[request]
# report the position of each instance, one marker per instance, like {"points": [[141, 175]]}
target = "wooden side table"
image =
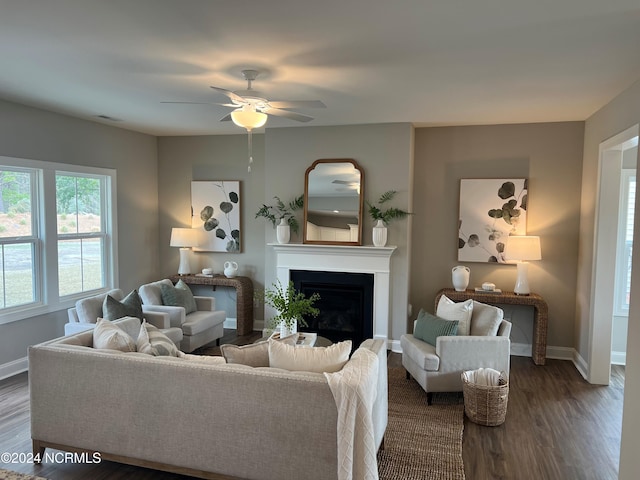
{"points": [[540, 318], [244, 295]]}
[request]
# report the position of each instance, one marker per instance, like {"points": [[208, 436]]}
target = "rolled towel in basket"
{"points": [[483, 376]]}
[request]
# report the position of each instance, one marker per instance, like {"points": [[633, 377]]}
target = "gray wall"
{"points": [[550, 156], [621, 113], [39, 135]]}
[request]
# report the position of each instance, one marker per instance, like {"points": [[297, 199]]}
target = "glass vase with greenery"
{"points": [[292, 305]]}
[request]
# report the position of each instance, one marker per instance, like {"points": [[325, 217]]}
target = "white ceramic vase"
{"points": [[290, 329], [283, 231], [380, 234], [460, 277]]}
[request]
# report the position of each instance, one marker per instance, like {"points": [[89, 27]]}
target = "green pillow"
{"points": [[178, 296], [130, 306], [429, 327]]}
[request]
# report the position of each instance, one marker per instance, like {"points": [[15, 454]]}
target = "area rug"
{"points": [[421, 442], [9, 475]]}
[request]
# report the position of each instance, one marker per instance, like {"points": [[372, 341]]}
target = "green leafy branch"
{"points": [[274, 213], [377, 212], [291, 305]]}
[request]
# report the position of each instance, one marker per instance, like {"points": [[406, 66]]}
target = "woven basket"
{"points": [[486, 405]]}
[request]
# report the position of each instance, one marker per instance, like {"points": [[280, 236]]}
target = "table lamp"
{"points": [[185, 238], [522, 248]]}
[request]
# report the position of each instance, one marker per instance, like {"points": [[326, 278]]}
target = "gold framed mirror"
{"points": [[333, 202]]}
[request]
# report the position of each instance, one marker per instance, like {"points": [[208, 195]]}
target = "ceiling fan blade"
{"points": [[234, 98], [226, 118], [206, 103], [298, 104], [287, 114]]}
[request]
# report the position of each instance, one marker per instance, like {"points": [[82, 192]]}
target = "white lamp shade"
{"points": [[248, 119], [184, 237], [523, 247]]}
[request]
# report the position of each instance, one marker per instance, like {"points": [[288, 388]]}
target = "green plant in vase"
{"points": [[292, 306], [275, 213], [383, 217]]}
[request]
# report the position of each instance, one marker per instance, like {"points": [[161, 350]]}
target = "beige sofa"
{"points": [[193, 415]]}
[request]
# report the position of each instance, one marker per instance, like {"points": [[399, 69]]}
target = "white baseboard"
{"points": [[581, 365], [561, 353], [394, 346], [13, 368], [619, 358]]}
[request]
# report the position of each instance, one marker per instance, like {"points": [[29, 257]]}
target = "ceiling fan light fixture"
{"points": [[248, 119]]}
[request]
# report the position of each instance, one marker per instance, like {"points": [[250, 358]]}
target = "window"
{"points": [[625, 242], [56, 235]]}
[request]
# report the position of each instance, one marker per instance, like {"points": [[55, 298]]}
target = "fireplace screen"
{"points": [[346, 304]]}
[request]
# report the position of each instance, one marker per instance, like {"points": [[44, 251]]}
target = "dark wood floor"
{"points": [[557, 427]]}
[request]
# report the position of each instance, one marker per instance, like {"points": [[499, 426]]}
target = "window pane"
{"points": [[15, 204], [17, 275], [80, 265], [78, 204]]}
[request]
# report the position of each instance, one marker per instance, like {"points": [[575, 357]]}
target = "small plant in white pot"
{"points": [[291, 306], [384, 216], [282, 217]]}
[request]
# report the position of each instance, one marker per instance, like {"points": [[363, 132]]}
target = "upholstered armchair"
{"points": [[481, 340], [86, 312], [196, 315]]}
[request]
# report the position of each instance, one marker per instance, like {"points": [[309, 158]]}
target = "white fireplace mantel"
{"points": [[343, 258]]}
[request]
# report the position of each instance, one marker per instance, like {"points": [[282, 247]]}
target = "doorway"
{"points": [[603, 301]]}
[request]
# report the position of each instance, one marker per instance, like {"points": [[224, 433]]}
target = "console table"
{"points": [[244, 295], [540, 319]]}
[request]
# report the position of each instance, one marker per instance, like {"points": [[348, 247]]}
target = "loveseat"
{"points": [[192, 415]]}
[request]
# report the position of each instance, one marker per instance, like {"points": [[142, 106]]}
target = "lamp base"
{"points": [[184, 268], [522, 282]]}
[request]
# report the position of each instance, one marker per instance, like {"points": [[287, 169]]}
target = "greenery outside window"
{"points": [[57, 235]]}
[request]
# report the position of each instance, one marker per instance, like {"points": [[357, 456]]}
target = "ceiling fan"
{"points": [[251, 109]]}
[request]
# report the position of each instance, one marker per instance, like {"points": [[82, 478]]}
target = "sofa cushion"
{"points": [[253, 355], [129, 306], [90, 308], [178, 297], [429, 327], [198, 322], [423, 353], [153, 342], [150, 292], [460, 311], [110, 336], [486, 319], [315, 359]]}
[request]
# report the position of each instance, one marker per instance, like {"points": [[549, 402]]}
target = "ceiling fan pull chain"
{"points": [[250, 151]]}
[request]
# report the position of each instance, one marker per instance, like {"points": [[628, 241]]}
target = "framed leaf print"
{"points": [[490, 211], [215, 210]]}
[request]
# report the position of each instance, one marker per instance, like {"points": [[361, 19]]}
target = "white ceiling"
{"points": [[429, 62]]}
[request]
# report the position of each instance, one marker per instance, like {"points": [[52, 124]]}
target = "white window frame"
{"points": [[622, 282], [47, 298]]}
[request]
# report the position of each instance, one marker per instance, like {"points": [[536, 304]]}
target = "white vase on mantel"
{"points": [[380, 234], [283, 231]]}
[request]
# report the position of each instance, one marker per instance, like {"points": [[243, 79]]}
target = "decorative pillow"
{"points": [[178, 296], [315, 359], [429, 327], [90, 309], [460, 311], [130, 306], [153, 342], [108, 335], [254, 355], [486, 319]]}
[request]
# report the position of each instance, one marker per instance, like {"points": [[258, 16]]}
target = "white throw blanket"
{"points": [[483, 376], [354, 389]]}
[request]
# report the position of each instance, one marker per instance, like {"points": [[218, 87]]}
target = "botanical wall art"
{"points": [[215, 209], [490, 211]]}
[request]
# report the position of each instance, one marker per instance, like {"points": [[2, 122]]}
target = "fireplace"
{"points": [[369, 260], [346, 303]]}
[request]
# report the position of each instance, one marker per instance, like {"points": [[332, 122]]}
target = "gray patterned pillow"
{"points": [[112, 337], [153, 342], [178, 296], [130, 306]]}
